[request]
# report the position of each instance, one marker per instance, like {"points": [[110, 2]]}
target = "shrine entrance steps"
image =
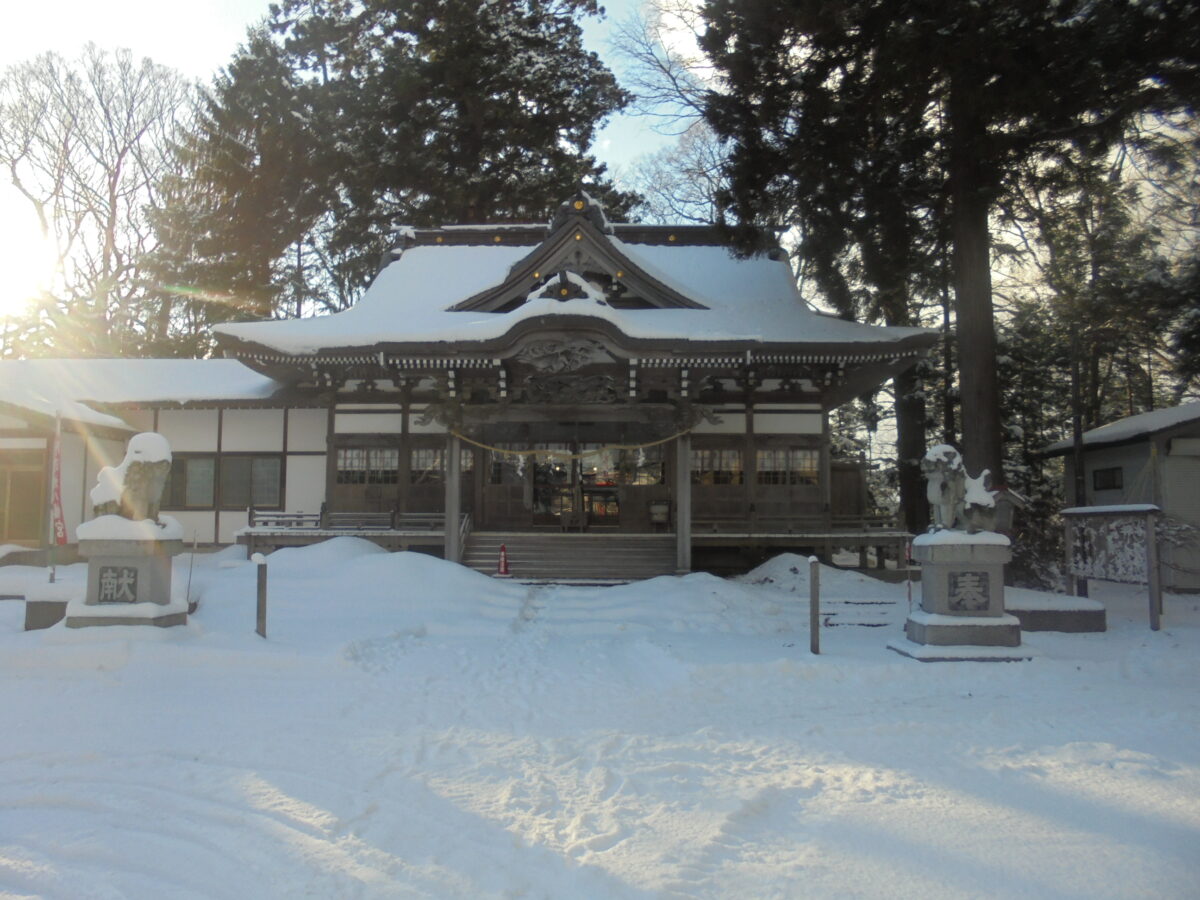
{"points": [[572, 557]]}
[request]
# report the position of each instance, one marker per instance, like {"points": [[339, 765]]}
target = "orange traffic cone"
{"points": [[502, 569]]}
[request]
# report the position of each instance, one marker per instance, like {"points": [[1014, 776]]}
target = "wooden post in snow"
{"points": [[452, 551], [1153, 582], [683, 504], [261, 619], [814, 605]]}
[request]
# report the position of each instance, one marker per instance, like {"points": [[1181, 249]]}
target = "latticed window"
{"points": [[383, 465], [192, 484], [788, 465], [427, 465], [352, 465], [250, 481], [642, 466], [717, 467], [507, 468], [368, 465], [233, 481], [598, 466]]}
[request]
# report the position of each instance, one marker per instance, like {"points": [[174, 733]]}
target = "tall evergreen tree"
{"points": [[981, 87], [341, 119], [869, 238], [1183, 306], [1098, 270]]}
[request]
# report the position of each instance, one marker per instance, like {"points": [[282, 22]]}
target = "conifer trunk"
{"points": [[910, 447], [970, 194]]}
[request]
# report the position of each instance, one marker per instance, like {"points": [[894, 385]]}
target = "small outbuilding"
{"points": [[1152, 457]]}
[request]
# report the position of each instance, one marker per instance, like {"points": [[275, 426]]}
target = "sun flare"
{"points": [[26, 257]]}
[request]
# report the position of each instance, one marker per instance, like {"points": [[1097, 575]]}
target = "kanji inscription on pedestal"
{"points": [[118, 584], [968, 591]]}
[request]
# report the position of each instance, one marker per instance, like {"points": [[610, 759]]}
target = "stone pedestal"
{"points": [[962, 596], [129, 583]]}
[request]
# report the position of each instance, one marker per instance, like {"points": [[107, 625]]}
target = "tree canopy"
{"points": [[340, 120], [824, 102], [86, 142]]}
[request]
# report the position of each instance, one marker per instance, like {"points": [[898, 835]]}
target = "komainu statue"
{"points": [[134, 488], [959, 502]]}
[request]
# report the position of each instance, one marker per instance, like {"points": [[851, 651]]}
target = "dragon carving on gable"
{"points": [[554, 356]]}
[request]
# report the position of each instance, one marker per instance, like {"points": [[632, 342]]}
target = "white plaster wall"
{"points": [[232, 521], [733, 421], [137, 419], [197, 524], [252, 429], [13, 423], [1181, 487], [788, 422], [36, 443], [415, 426], [1181, 499], [368, 423], [81, 463], [305, 489], [189, 430], [307, 428], [77, 481], [1137, 474]]}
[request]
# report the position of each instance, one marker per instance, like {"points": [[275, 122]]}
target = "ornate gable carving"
{"points": [[554, 356], [578, 245]]}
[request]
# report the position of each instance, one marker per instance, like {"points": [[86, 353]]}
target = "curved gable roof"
{"points": [[579, 247], [474, 287]]}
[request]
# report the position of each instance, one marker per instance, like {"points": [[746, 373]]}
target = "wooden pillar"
{"points": [[825, 475], [331, 452], [453, 475], [683, 503], [217, 475], [1153, 582]]}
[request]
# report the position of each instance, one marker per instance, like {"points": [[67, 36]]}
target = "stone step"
{"points": [[574, 557]]}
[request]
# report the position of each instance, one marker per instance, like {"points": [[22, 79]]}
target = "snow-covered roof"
{"points": [[752, 300], [1133, 428], [65, 386]]}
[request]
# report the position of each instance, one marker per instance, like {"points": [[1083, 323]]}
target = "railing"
{"points": [[864, 523], [347, 520], [851, 525], [464, 529], [266, 519], [359, 521]]}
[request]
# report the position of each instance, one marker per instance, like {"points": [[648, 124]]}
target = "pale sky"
{"points": [[197, 38]]}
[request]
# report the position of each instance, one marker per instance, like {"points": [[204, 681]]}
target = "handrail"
{"points": [[260, 518], [850, 525], [464, 529], [347, 520]]}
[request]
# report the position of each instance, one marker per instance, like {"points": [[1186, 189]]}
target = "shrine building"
{"points": [[495, 383]]}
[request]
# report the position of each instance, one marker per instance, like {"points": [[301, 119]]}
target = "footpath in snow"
{"points": [[413, 729]]}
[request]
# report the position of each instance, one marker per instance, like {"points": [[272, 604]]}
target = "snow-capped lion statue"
{"points": [[959, 501], [134, 488]]}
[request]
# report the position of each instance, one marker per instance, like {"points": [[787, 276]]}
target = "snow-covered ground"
{"points": [[413, 729]]}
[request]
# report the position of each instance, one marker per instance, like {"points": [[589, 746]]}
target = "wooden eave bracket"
{"points": [[575, 236]]}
